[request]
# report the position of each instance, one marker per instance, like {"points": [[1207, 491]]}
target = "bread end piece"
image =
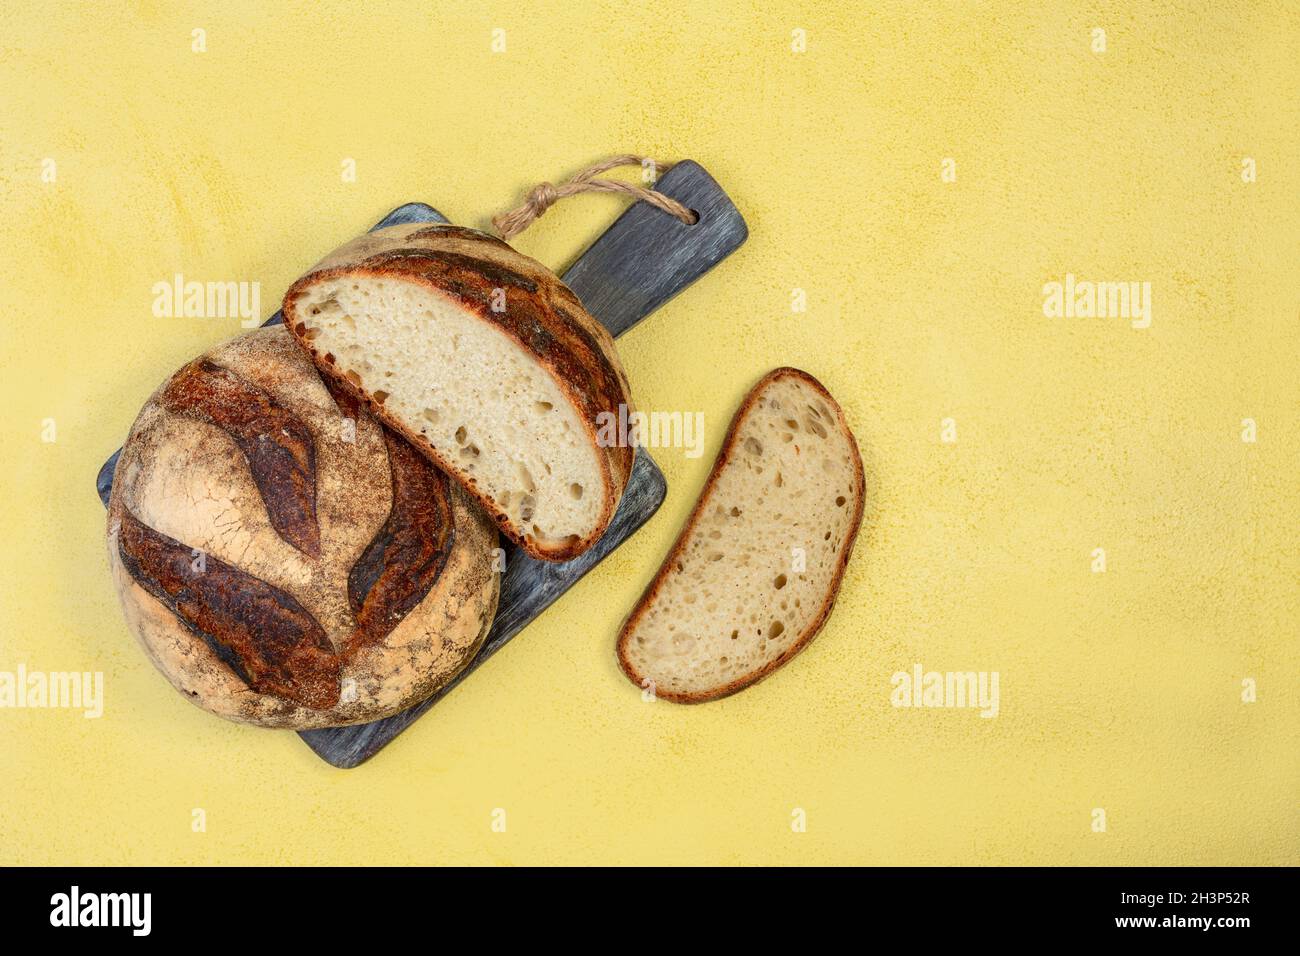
{"points": [[485, 362], [729, 605]]}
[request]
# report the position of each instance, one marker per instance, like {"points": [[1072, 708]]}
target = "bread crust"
{"points": [[399, 607], [548, 322], [724, 459]]}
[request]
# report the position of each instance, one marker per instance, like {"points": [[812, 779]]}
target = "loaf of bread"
{"points": [[487, 363], [284, 559], [754, 573]]}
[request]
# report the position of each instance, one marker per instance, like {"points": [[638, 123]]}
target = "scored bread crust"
{"points": [[184, 477], [724, 460], [548, 322]]}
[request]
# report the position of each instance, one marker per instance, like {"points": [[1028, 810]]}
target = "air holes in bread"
{"points": [[526, 477]]}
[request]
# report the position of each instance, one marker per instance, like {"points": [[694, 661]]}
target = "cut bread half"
{"points": [[754, 574], [487, 363]]}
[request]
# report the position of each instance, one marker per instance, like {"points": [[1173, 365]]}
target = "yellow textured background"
{"points": [[1119, 690]]}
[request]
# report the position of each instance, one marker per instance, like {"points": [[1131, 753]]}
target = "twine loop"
{"points": [[544, 195]]}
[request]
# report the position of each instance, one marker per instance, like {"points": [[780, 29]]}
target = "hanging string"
{"points": [[544, 195]]}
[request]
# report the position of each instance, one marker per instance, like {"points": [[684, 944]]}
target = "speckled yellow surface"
{"points": [[1120, 691]]}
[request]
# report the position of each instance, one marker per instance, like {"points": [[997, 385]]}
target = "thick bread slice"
{"points": [[487, 363], [755, 571]]}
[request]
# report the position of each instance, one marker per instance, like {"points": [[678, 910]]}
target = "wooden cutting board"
{"points": [[644, 259]]}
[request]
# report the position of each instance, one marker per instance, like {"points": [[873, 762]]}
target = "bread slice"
{"points": [[487, 363], [755, 571]]}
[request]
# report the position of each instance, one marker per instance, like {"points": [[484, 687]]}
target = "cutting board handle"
{"points": [[646, 257]]}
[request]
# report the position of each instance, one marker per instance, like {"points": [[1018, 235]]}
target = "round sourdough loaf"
{"points": [[283, 558], [488, 364]]}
